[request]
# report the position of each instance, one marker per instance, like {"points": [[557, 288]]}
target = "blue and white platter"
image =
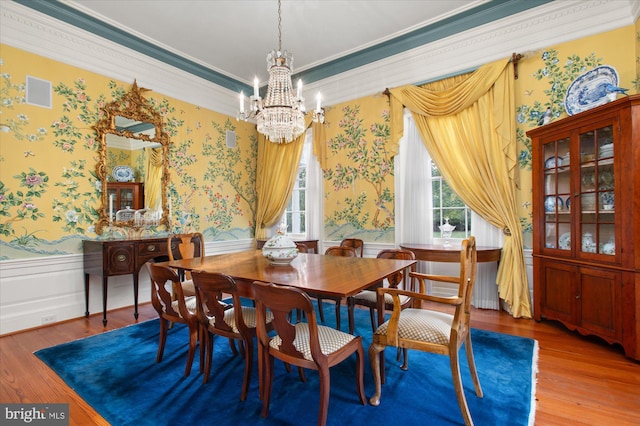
{"points": [[552, 162], [589, 90], [122, 173], [551, 202]]}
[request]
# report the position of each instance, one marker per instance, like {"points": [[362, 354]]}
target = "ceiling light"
{"points": [[280, 116]]}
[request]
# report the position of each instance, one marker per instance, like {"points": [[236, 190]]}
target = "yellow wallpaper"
{"points": [[48, 192], [358, 182], [544, 77], [48, 189]]}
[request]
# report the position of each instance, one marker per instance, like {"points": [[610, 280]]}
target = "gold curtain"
{"points": [[276, 175], [153, 180], [467, 125], [320, 144]]}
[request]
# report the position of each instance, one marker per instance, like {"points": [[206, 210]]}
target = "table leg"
{"points": [[135, 294], [104, 300], [86, 295]]}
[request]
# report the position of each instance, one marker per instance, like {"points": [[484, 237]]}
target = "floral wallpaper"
{"points": [[49, 193], [545, 76], [359, 182]]}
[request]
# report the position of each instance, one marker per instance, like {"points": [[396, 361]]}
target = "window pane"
{"points": [[434, 170], [435, 189], [449, 198], [288, 219], [437, 220]]}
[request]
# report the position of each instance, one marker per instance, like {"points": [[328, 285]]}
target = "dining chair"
{"points": [[302, 248], [368, 297], [344, 251], [173, 309], [356, 243], [186, 246], [303, 344], [431, 330], [217, 318]]}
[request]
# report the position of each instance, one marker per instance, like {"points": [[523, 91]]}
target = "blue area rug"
{"points": [[116, 373]]}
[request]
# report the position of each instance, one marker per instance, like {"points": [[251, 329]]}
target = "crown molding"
{"points": [[527, 31], [32, 31]]}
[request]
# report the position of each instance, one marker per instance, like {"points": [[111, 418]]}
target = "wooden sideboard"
{"points": [[107, 258]]}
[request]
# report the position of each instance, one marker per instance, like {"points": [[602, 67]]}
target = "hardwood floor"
{"points": [[581, 381]]}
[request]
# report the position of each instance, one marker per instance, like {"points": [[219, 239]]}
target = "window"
{"points": [[295, 215], [446, 204]]}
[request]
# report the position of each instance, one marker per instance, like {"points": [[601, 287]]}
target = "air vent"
{"points": [[38, 92], [231, 139]]}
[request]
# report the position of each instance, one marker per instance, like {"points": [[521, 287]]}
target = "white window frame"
{"points": [[313, 210]]}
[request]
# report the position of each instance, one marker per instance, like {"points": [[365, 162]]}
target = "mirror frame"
{"points": [[136, 107]]}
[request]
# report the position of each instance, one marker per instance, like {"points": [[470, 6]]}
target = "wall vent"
{"points": [[231, 139], [38, 92]]}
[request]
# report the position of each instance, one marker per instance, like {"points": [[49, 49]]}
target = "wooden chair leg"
{"points": [[325, 386], [472, 366], [208, 342], [405, 358], [375, 353], [232, 345], [201, 331], [248, 363], [360, 375], [459, 388], [163, 338], [338, 304], [320, 309], [268, 382], [303, 378], [372, 314], [350, 311], [193, 341]]}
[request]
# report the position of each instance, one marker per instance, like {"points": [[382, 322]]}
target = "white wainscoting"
{"points": [[39, 291]]}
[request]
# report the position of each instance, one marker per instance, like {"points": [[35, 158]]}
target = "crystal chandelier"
{"points": [[280, 116]]}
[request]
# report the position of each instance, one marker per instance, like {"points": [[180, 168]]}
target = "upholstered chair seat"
{"points": [[330, 339], [425, 326]]}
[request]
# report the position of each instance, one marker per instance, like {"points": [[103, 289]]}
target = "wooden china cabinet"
{"points": [[126, 195], [586, 222]]}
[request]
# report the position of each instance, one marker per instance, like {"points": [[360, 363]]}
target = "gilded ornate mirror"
{"points": [[133, 163]]}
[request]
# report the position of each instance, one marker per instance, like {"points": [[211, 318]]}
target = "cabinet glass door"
{"points": [[597, 197], [126, 198], [557, 194]]}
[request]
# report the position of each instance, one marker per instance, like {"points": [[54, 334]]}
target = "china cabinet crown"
{"points": [[586, 222]]}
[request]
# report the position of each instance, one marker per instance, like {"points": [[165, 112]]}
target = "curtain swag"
{"points": [[468, 121]]}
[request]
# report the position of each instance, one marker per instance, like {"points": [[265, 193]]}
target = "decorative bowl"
{"points": [[279, 249]]}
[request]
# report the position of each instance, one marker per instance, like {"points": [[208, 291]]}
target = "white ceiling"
{"points": [[233, 37]]}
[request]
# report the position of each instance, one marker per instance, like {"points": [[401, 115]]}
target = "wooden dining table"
{"points": [[315, 273]]}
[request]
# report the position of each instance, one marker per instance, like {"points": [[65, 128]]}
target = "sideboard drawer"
{"points": [[120, 259], [151, 249]]}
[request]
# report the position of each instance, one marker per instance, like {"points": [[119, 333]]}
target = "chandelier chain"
{"points": [[279, 27]]}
